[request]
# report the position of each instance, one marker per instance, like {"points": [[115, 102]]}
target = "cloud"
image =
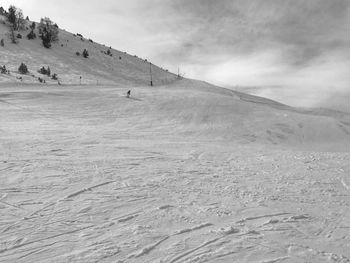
{"points": [[301, 47], [307, 28]]}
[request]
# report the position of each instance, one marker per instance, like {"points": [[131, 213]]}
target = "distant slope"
{"points": [[98, 68], [199, 109], [184, 110]]}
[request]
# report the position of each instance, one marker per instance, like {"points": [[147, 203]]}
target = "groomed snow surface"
{"points": [[179, 173]]}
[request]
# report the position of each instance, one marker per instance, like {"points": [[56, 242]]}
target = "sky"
{"points": [[294, 51]]}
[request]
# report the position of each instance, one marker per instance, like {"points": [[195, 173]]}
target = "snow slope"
{"points": [[178, 173]]}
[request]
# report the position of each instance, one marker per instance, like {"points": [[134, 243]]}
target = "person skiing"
{"points": [[128, 94]]}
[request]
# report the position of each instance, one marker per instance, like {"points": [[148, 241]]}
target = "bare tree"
{"points": [[21, 22]]}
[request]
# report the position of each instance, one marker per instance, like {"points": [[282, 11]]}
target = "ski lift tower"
{"points": [[150, 72]]}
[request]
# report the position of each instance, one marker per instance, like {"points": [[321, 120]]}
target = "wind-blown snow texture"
{"points": [[180, 172], [177, 173]]}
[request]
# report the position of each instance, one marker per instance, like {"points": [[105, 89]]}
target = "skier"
{"points": [[128, 94]]}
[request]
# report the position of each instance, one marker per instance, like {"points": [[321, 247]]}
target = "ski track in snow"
{"points": [[148, 249], [104, 181], [346, 186]]}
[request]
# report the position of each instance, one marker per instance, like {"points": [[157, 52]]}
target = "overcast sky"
{"points": [[297, 51]]}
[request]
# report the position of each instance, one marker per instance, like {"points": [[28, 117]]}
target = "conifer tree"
{"points": [[23, 69], [12, 18]]}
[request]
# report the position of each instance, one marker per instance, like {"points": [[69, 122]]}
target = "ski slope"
{"points": [[184, 172]]}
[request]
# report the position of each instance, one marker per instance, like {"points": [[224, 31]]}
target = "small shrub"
{"points": [[31, 35], [2, 11], [32, 26], [42, 71], [2, 42], [41, 80], [46, 41], [85, 53], [19, 36], [79, 35], [23, 69], [54, 76], [3, 70], [45, 71]]}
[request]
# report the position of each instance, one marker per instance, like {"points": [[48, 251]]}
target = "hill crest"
{"points": [[104, 65]]}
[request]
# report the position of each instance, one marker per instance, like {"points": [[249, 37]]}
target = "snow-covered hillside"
{"points": [[179, 172], [99, 68]]}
